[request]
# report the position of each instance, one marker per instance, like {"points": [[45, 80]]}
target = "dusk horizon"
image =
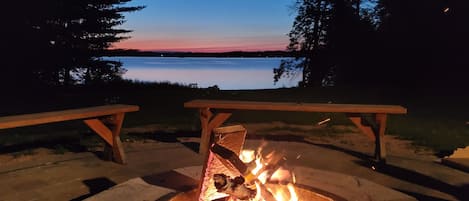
{"points": [[190, 26], [202, 50]]}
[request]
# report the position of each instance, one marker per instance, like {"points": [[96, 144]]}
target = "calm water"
{"points": [[227, 73]]}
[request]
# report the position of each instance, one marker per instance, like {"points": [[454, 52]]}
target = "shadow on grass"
{"points": [[90, 142], [421, 197], [58, 144], [169, 137], [172, 180], [460, 192], [95, 186], [296, 138], [443, 153]]}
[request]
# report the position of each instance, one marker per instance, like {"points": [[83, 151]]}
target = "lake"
{"points": [[226, 73]]}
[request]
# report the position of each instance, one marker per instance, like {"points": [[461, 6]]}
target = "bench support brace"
{"points": [[113, 149], [209, 121]]}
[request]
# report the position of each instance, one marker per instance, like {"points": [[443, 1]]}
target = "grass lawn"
{"points": [[435, 119]]}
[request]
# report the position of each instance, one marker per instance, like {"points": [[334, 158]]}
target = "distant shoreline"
{"points": [[138, 53]]}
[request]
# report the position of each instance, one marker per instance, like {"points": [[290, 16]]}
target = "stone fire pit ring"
{"points": [[166, 185]]}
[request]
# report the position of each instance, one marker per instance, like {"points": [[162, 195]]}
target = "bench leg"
{"points": [[209, 121], [373, 130], [113, 148], [380, 145]]}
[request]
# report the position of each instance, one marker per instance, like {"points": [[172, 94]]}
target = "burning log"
{"points": [[232, 138], [231, 160], [239, 187], [234, 187], [226, 177]]}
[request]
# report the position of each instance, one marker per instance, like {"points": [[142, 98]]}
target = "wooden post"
{"points": [[205, 116], [113, 148], [118, 153], [375, 131], [380, 144]]}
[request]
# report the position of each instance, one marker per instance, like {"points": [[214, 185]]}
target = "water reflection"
{"points": [[226, 73]]}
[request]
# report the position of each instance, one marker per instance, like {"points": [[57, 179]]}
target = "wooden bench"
{"points": [[213, 113], [105, 120]]}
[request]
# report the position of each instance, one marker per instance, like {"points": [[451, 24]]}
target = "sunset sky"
{"points": [[209, 25]]}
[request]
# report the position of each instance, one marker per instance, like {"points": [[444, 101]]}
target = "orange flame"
{"points": [[247, 155], [281, 176]]}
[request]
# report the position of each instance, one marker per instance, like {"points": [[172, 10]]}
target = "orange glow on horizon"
{"points": [[200, 45]]}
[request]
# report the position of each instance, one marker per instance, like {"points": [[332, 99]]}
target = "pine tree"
{"points": [[61, 42]]}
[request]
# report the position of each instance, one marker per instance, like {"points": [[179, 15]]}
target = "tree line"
{"points": [[404, 43], [58, 42], [139, 53]]}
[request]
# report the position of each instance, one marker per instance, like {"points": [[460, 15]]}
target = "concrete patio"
{"points": [[77, 176]]}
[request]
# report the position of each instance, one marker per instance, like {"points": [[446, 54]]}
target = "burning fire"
{"points": [[233, 174], [272, 181]]}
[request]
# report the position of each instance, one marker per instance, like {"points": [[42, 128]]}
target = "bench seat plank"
{"points": [[64, 115], [296, 107]]}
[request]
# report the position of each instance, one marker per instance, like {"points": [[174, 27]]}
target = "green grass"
{"points": [[24, 152], [60, 149], [435, 119], [440, 134]]}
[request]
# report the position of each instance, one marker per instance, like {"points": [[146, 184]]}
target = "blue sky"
{"points": [[209, 25]]}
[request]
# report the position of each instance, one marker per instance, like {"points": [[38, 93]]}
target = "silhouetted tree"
{"points": [[422, 42], [307, 37], [419, 43], [60, 42], [350, 41], [328, 34]]}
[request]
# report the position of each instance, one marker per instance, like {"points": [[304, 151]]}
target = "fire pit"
{"points": [[302, 194], [233, 174], [181, 185], [230, 174]]}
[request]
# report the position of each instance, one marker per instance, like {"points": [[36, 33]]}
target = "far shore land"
{"points": [[140, 53]]}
